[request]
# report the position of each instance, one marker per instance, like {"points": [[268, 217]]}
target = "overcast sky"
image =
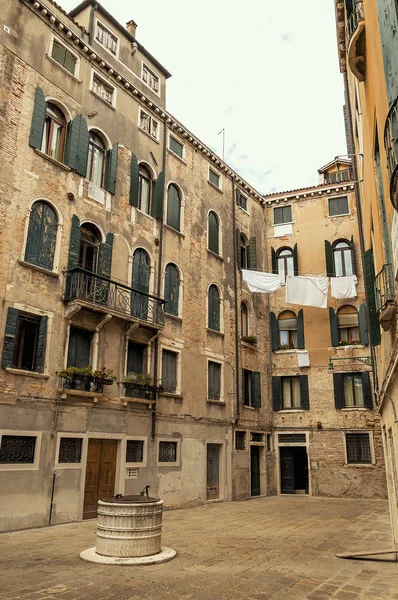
{"points": [[265, 70]]}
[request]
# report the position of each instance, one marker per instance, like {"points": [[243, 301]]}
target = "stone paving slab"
{"points": [[279, 548]]}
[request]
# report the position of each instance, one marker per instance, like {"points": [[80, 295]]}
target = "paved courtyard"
{"points": [[279, 548]]}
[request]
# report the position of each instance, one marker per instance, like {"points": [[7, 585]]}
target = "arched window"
{"points": [[90, 239], [342, 258], [348, 325], [96, 159], [214, 233], [285, 262], [243, 252], [140, 283], [144, 189], [214, 308], [244, 316], [42, 235], [287, 326], [53, 140], [173, 207], [172, 290]]}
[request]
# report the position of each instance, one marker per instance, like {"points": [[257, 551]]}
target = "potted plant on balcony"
{"points": [[140, 385], [86, 379]]}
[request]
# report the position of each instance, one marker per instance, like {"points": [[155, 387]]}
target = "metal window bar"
{"points": [[17, 449], [240, 440], [167, 451], [384, 287], [358, 448], [353, 19], [70, 450], [135, 451]]}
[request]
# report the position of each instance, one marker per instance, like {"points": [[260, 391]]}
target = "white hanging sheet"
{"points": [[344, 287], [264, 283], [307, 291]]}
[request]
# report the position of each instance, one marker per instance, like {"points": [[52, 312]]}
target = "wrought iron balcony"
{"points": [[384, 287], [113, 296], [354, 19], [391, 146]]}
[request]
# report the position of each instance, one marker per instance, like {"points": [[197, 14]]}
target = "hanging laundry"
{"points": [[307, 291], [344, 287], [264, 283]]}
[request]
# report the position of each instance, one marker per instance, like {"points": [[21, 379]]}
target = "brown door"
{"points": [[100, 474], [213, 472]]}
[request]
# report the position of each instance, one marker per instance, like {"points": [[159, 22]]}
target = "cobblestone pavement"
{"points": [[280, 548]]}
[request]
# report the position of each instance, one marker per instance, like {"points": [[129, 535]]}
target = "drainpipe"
{"points": [[237, 347], [360, 226], [91, 23]]}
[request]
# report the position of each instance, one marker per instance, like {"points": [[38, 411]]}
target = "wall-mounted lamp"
{"points": [[366, 360]]}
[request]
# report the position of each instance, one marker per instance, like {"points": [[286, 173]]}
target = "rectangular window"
{"points": [[167, 452], [70, 450], [106, 38], [353, 391], [213, 380], [358, 448], [17, 449], [257, 437], [149, 124], [103, 89], [150, 78], [214, 178], [135, 451], [251, 388], [26, 346], [241, 200], [63, 56], [79, 350], [176, 147], [169, 371], [240, 440], [338, 206], [282, 214], [291, 392], [136, 358]]}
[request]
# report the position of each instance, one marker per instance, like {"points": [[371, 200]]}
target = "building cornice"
{"points": [[308, 193]]}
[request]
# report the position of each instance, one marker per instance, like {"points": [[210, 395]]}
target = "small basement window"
{"points": [[167, 452], [240, 440]]}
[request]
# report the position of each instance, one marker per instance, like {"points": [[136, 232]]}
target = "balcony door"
{"points": [[140, 284], [89, 242]]}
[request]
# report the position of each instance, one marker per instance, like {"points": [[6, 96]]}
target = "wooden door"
{"points": [[254, 470], [100, 474], [287, 471], [213, 472]]}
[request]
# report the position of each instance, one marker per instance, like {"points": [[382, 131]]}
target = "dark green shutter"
{"points": [[41, 345], [134, 179], [171, 290], [252, 255], [76, 145], [338, 390], [213, 232], [157, 197], [300, 330], [238, 250], [42, 236], [214, 308], [330, 272], [256, 389], [74, 245], [304, 395], [214, 381], [274, 262], [10, 336], [105, 257], [111, 169], [276, 393], [354, 266], [244, 395], [274, 332], [38, 119], [173, 207], [366, 389], [334, 327], [370, 297], [363, 326], [295, 260]]}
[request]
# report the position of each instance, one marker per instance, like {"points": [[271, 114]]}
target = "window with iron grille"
{"points": [[240, 440], [292, 438], [17, 449], [282, 214], [213, 380], [257, 437], [338, 206], [168, 452], [135, 451], [358, 448], [70, 450]]}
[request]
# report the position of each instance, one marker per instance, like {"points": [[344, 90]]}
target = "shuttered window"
{"points": [[213, 233], [54, 132], [251, 388], [79, 350], [176, 147], [213, 380], [169, 371], [214, 308], [343, 259], [172, 290], [42, 236], [338, 206], [371, 298], [24, 341], [214, 178], [285, 262], [241, 200], [290, 393], [135, 358], [173, 207], [282, 214], [96, 159], [64, 57], [358, 448], [352, 390]]}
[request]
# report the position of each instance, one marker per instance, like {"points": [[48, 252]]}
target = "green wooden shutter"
{"points": [[276, 393], [171, 290], [74, 245], [10, 336], [238, 250], [274, 263], [338, 390], [304, 395], [252, 255], [363, 326], [274, 332], [370, 297], [354, 266], [41, 345], [42, 235], [256, 389], [334, 327], [105, 257], [38, 119], [295, 260], [330, 272], [213, 226], [111, 168], [157, 197], [366, 389], [134, 179], [214, 308], [76, 145], [214, 381], [244, 394], [173, 207], [300, 330]]}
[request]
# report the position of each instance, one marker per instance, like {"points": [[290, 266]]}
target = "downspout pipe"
{"points": [[91, 23], [237, 346], [360, 227]]}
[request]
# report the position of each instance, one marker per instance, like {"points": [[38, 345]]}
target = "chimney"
{"points": [[131, 27]]}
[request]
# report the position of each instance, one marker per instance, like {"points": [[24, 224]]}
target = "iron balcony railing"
{"points": [[391, 141], [384, 287], [354, 18], [104, 292]]}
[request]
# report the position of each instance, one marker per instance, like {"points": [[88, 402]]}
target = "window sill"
{"points": [[249, 407], [71, 75], [214, 332], [148, 135], [170, 228], [338, 216], [52, 160], [248, 345], [291, 410], [349, 347], [213, 185], [353, 408], [243, 210], [288, 223], [144, 213], [27, 373], [288, 351], [102, 100], [359, 465], [173, 317], [212, 253], [172, 395], [218, 402], [39, 269], [184, 162]]}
